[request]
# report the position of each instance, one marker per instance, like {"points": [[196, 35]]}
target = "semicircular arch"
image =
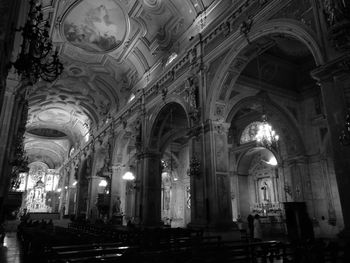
{"points": [[159, 113], [288, 27]]}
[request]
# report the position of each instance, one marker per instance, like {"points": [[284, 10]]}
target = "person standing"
{"points": [[2, 234], [257, 228], [250, 220]]}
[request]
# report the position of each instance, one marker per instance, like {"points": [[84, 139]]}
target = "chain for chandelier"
{"points": [[265, 136]]}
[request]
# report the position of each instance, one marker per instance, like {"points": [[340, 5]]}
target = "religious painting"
{"points": [[96, 26]]}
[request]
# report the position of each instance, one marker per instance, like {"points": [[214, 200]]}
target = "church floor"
{"points": [[10, 251]]}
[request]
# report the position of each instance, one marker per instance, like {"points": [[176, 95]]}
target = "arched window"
{"points": [[249, 133]]}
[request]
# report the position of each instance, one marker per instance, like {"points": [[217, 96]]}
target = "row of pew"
{"points": [[83, 243]]}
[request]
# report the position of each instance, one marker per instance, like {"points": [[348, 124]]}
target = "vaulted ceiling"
{"points": [[110, 49]]}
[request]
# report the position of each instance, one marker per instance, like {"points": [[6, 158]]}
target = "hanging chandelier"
{"points": [[37, 61], [344, 137], [266, 136]]}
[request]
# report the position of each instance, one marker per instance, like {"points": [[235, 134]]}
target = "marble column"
{"points": [[334, 82], [151, 189], [217, 175]]}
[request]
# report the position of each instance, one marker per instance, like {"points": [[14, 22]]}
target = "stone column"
{"points": [[217, 174], [6, 117], [11, 118], [93, 195], [235, 194], [199, 201], [151, 189], [62, 194], [82, 186], [334, 82], [92, 211]]}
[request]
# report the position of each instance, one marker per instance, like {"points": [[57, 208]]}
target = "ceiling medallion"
{"points": [[96, 26]]}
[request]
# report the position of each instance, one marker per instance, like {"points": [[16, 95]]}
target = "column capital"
{"points": [[217, 126], [116, 168]]}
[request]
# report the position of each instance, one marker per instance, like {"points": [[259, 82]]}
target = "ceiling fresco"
{"points": [[96, 26]]}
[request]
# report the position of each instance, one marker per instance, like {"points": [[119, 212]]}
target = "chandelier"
{"points": [[266, 136], [37, 61], [344, 137]]}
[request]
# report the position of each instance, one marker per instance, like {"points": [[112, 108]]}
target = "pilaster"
{"points": [[333, 79], [151, 188], [217, 174]]}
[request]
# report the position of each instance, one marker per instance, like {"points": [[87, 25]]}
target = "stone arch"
{"points": [[158, 113], [233, 60]]}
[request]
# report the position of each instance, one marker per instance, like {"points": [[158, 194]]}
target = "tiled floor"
{"points": [[10, 251]]}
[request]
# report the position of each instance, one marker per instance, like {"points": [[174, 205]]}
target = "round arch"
{"points": [[158, 113], [288, 27]]}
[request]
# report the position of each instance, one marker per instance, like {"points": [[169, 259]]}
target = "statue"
{"points": [[335, 11], [116, 208], [265, 191]]}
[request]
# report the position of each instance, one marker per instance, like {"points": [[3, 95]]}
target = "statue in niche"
{"points": [[117, 207], [265, 191]]}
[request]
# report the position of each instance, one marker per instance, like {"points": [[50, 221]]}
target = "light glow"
{"points": [[272, 161], [171, 58], [103, 183], [74, 183], [86, 137], [59, 190], [129, 176], [131, 97]]}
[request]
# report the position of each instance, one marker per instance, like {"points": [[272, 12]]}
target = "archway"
{"points": [[271, 77], [169, 138], [259, 188]]}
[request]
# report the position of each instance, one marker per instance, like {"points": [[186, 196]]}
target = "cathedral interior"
{"points": [[177, 114]]}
